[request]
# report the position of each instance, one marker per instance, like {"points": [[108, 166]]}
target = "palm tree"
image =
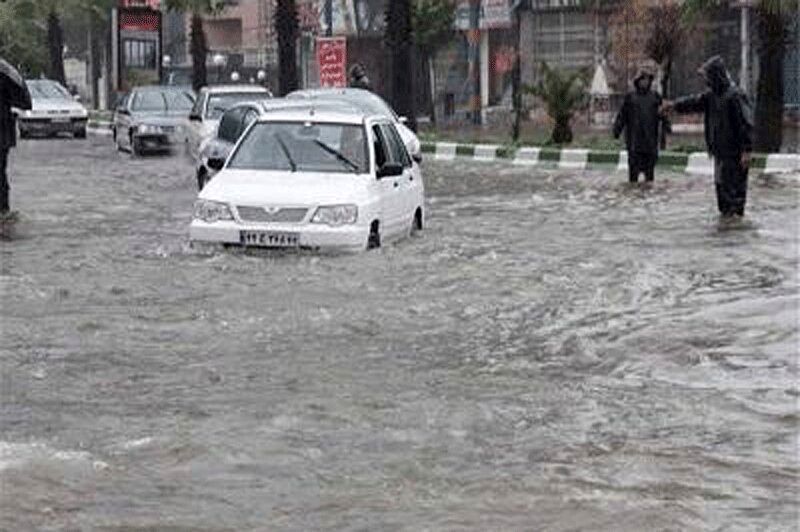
{"points": [[400, 41], [197, 39], [288, 29], [562, 94]]}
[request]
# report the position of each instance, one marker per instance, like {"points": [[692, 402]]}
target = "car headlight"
{"points": [[211, 211], [147, 129], [335, 215]]}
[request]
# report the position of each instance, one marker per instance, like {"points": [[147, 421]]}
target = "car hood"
{"points": [[48, 104], [258, 187]]}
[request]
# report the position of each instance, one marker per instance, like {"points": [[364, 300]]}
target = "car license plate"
{"points": [[269, 239], [61, 120]]}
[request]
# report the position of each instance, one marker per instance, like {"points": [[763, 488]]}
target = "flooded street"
{"points": [[555, 352]]}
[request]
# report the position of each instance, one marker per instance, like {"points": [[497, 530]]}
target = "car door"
{"points": [[391, 197], [409, 179], [124, 120]]}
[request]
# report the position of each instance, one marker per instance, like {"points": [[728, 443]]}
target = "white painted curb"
{"points": [[782, 162], [445, 151], [486, 152], [527, 156], [573, 159], [622, 165], [700, 163]]}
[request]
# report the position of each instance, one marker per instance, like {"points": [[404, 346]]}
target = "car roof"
{"points": [[161, 88], [272, 105], [316, 115], [341, 91], [240, 88]]}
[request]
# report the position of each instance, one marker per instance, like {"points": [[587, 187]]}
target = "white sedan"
{"points": [[312, 179]]}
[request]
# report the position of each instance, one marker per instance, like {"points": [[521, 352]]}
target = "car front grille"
{"points": [[271, 215]]}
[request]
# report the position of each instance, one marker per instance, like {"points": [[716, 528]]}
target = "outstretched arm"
{"points": [[695, 103]]}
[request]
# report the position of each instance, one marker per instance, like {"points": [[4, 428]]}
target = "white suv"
{"points": [[312, 179]]}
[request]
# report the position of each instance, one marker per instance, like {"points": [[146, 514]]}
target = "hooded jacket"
{"points": [[8, 123], [726, 110], [640, 118]]}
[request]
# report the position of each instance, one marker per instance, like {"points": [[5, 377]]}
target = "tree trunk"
{"points": [[55, 46], [287, 28], [432, 79], [199, 51], [768, 130], [665, 94], [516, 79], [399, 40]]}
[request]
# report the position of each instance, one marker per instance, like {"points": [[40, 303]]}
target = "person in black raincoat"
{"points": [[358, 77], [13, 93], [640, 118], [728, 132]]}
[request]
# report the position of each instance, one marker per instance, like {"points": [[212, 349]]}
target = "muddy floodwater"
{"points": [[556, 352]]}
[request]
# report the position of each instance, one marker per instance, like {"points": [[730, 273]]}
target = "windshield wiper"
{"points": [[336, 153], [286, 152]]}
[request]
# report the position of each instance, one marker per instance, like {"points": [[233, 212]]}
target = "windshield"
{"points": [[303, 147], [162, 101], [219, 103], [49, 90]]}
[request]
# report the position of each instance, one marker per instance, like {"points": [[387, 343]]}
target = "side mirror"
{"points": [[390, 170], [76, 97], [417, 158], [195, 118], [216, 163], [123, 111], [403, 119]]}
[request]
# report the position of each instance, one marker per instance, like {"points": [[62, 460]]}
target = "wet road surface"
{"points": [[555, 352]]}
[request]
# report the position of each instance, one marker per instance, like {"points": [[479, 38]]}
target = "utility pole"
{"points": [[744, 73], [329, 18], [474, 58], [516, 78]]}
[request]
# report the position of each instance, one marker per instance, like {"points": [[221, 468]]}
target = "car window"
{"points": [[48, 90], [179, 100], [250, 116], [229, 125], [197, 109], [303, 147], [123, 102], [379, 143], [399, 154], [148, 101], [219, 103]]}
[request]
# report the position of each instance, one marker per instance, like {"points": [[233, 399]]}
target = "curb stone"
{"points": [[698, 163]]}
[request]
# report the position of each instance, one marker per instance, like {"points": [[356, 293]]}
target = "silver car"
{"points": [[54, 111], [152, 119], [368, 103]]}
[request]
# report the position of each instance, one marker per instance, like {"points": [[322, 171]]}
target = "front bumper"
{"points": [[314, 236], [51, 126], [155, 141]]}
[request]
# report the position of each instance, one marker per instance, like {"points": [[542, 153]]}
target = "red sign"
{"points": [[139, 21], [332, 61]]}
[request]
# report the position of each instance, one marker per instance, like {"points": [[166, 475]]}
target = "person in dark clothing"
{"points": [[640, 117], [8, 139], [728, 133], [358, 77]]}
